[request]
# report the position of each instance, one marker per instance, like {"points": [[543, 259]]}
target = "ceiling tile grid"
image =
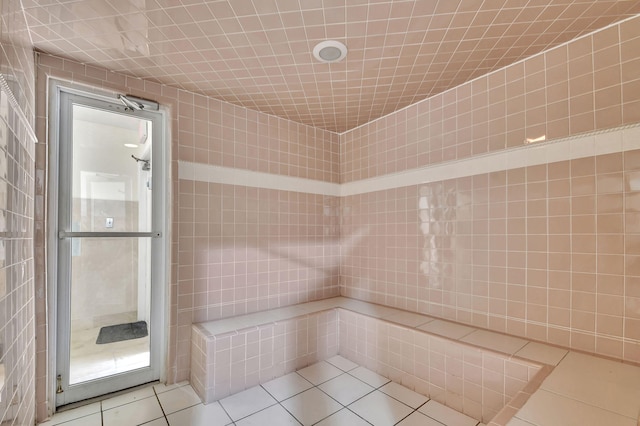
{"points": [[257, 53]]}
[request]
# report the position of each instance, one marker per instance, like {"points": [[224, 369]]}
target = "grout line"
{"points": [[160, 404], [356, 414], [402, 419], [290, 413], [561, 359], [233, 422], [255, 412]]}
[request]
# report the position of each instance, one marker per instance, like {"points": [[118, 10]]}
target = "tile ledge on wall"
{"points": [[226, 175], [619, 139], [602, 142]]}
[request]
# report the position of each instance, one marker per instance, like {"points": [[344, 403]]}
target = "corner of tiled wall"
{"points": [[457, 207], [17, 151]]}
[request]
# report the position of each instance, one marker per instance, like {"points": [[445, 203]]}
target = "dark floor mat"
{"points": [[120, 332]]}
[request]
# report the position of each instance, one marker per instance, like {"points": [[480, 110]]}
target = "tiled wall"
{"points": [[547, 251], [17, 316], [238, 248], [235, 248], [244, 248], [250, 249], [588, 84]]}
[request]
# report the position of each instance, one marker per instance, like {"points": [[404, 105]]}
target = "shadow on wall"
{"points": [[250, 277]]}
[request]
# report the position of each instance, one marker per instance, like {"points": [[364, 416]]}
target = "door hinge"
{"points": [[59, 387]]}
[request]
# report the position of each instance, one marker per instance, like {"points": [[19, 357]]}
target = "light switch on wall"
{"points": [[109, 223]]}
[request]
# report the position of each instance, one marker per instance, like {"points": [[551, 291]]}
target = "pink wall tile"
{"points": [[541, 252], [234, 249], [536, 251], [22, 218], [552, 268], [587, 84]]}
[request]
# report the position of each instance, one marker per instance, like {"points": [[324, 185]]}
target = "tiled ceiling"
{"points": [[257, 53]]}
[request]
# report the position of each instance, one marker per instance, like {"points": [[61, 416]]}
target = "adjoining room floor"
{"points": [[91, 361], [335, 392]]}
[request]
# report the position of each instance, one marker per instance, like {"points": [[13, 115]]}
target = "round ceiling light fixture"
{"points": [[330, 51]]}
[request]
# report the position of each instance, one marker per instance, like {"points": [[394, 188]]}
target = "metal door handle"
{"points": [[66, 234]]}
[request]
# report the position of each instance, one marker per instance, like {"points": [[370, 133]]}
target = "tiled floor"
{"points": [[585, 390], [335, 392]]}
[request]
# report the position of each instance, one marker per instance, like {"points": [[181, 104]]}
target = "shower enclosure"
{"points": [[109, 238]]}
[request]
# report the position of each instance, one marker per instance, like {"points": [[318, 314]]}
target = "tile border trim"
{"points": [[609, 141], [188, 170]]}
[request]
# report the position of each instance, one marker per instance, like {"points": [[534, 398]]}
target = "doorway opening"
{"points": [[107, 174]]}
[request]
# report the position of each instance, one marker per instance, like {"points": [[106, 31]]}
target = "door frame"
{"points": [[54, 90]]}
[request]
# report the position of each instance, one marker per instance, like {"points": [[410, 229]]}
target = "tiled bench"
{"points": [[485, 375], [233, 354]]}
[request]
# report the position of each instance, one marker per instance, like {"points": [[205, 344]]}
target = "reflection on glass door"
{"points": [[108, 239]]}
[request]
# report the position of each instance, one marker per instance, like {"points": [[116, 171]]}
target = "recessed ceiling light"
{"points": [[131, 145], [330, 51]]}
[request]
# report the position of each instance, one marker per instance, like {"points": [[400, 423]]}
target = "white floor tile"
{"points": [[128, 397], [320, 372], [380, 409], [546, 408], [134, 413], [178, 399], [306, 404], [405, 395], [75, 413], [419, 419], [345, 389], [342, 363], [369, 377], [200, 415], [90, 420], [311, 406], [272, 416], [446, 415], [247, 402], [157, 422], [495, 341], [518, 422], [162, 387], [343, 417], [286, 386], [609, 384]]}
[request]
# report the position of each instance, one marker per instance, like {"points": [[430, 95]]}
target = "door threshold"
{"points": [[99, 398]]}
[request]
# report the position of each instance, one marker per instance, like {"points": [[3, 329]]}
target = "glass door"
{"points": [[109, 280]]}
